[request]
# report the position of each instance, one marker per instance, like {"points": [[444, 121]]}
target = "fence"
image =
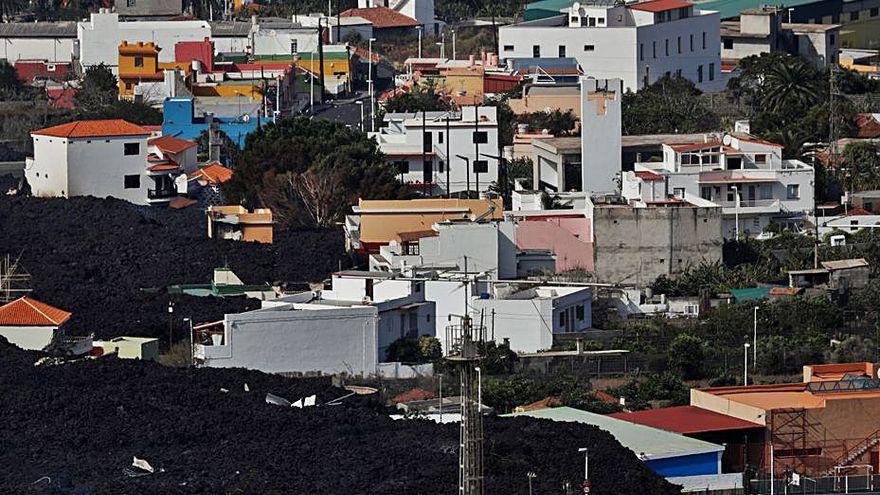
{"points": [[815, 486]]}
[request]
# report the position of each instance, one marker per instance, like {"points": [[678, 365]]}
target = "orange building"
{"points": [[139, 62], [828, 422], [237, 223]]}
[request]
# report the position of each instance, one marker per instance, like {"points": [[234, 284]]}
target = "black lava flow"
{"points": [[75, 428], [93, 256]]}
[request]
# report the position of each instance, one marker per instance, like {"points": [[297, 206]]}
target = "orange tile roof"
{"points": [[171, 144], [695, 146], [213, 173], [660, 5], [93, 128], [413, 395], [382, 17], [648, 175], [785, 291], [31, 313], [163, 167]]}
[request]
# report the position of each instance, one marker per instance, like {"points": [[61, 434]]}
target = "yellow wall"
{"points": [[330, 66], [140, 62], [394, 217], [229, 91], [847, 63]]}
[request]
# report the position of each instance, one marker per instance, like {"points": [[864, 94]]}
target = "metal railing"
{"points": [[161, 193], [815, 486]]}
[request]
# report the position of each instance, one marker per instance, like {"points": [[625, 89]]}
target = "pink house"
{"points": [[567, 233]]}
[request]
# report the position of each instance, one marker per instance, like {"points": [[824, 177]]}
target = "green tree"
{"points": [[11, 87], [98, 89], [853, 349], [686, 356], [556, 122], [418, 99], [861, 166], [670, 105], [9, 8], [793, 82]]}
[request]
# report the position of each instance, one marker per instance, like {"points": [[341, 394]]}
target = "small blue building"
{"points": [[180, 120]]}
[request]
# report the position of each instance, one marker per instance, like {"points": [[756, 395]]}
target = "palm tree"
{"points": [[793, 82]]}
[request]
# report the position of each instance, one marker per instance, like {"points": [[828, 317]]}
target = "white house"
{"points": [[31, 324], [283, 37], [744, 175], [529, 317], [438, 152], [51, 41], [100, 36], [104, 158], [636, 42]]}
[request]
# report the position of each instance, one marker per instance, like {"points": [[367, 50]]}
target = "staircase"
{"points": [[856, 452]]}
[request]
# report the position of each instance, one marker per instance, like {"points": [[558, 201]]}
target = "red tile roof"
{"points": [[413, 395], [647, 175], [31, 313], [213, 174], [685, 420], [785, 291], [868, 125], [382, 17], [857, 211], [171, 144], [94, 128], [660, 5], [695, 146], [163, 167]]}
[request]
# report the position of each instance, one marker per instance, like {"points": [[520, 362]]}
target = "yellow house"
{"points": [[139, 62]]}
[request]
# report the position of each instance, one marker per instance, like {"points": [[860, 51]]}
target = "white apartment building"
{"points": [[100, 36], [440, 152], [761, 30], [744, 175], [636, 42], [107, 158]]}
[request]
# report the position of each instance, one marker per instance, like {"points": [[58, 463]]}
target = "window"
{"points": [[678, 192], [294, 46], [692, 42], [875, 11], [508, 48], [562, 319], [704, 40], [728, 43], [132, 181], [440, 166], [679, 44], [402, 166], [601, 20], [831, 40], [591, 21], [706, 193], [536, 51], [854, 16], [667, 47], [139, 61], [481, 167], [130, 149], [579, 312], [712, 71], [591, 48], [641, 51], [130, 3], [700, 74], [481, 137], [561, 51], [793, 191], [654, 49], [760, 158], [440, 137], [427, 142], [411, 249]]}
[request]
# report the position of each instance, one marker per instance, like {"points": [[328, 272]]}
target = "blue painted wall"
{"points": [[179, 120], [687, 465]]}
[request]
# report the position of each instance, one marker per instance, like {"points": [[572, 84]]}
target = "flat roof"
{"points": [[686, 420], [648, 443], [62, 29], [787, 395]]}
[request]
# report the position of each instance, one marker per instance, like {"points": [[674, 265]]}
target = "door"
{"points": [[752, 193], [428, 172]]}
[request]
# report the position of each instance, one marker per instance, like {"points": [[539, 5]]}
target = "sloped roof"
{"points": [[31, 313], [685, 420], [660, 5], [213, 173], [171, 144], [648, 175], [413, 395], [844, 264], [94, 128], [382, 17]]}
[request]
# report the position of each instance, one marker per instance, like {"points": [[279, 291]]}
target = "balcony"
{"points": [[750, 206], [160, 195]]}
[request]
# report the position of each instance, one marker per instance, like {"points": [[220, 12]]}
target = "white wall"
{"points": [[47, 171], [688, 61], [600, 134], [280, 340], [51, 49], [99, 38], [527, 323], [224, 44], [278, 41], [29, 338], [97, 167]]}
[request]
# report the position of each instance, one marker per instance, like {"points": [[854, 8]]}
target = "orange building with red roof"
{"points": [[31, 324]]}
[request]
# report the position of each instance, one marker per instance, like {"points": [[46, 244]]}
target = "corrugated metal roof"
{"points": [[685, 420], [730, 9], [652, 442], [64, 29], [844, 264], [229, 28]]}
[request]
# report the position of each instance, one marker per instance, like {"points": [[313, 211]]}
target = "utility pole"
{"points": [[448, 158], [476, 145], [321, 57]]}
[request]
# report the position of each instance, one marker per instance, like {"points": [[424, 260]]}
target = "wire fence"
{"points": [[852, 483]]}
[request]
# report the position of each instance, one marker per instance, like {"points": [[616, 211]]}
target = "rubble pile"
{"points": [[93, 256], [77, 428]]}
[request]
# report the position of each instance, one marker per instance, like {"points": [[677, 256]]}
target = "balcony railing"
{"points": [[749, 203], [161, 193]]}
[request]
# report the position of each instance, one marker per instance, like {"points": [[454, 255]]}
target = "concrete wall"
{"points": [[489, 247], [51, 49], [601, 130], [279, 41], [278, 340], [47, 172], [637, 245], [29, 338], [449, 299]]}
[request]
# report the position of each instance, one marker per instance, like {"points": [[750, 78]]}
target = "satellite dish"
{"points": [[727, 140], [575, 7], [246, 118]]}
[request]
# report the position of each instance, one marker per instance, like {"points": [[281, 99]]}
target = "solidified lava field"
{"points": [[75, 427], [92, 256]]}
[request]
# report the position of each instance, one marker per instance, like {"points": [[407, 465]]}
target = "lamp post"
{"points": [[531, 475], [746, 364], [467, 162], [586, 452], [192, 346], [442, 44], [440, 403], [312, 85], [755, 340], [360, 103], [370, 88], [453, 44]]}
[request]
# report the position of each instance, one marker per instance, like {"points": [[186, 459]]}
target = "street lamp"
{"points": [[419, 29], [370, 88], [746, 363], [531, 475], [586, 452], [192, 346], [755, 341], [360, 103], [453, 44], [170, 324], [468, 172]]}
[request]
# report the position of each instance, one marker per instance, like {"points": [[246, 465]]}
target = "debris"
{"points": [[278, 401], [298, 403], [223, 390], [246, 388], [310, 401], [142, 464]]}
